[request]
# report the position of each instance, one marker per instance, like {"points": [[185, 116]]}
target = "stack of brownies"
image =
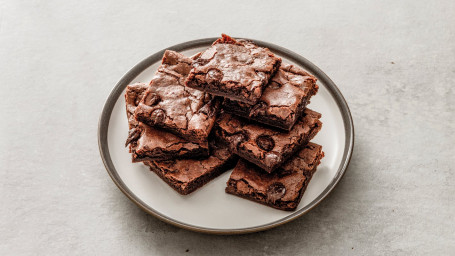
{"points": [[199, 114]]}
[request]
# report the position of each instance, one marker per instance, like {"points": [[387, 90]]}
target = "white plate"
{"points": [[210, 209]]}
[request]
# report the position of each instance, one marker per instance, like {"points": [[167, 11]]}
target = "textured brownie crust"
{"points": [[236, 69], [282, 189], [147, 143], [185, 176], [283, 100], [265, 147], [169, 104]]}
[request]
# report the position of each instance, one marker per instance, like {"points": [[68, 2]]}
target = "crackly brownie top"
{"points": [[187, 170], [284, 93], [144, 138], [169, 103], [236, 63], [286, 183], [264, 143]]}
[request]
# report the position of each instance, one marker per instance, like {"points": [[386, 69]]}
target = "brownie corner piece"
{"points": [[187, 175], [282, 190], [170, 105], [283, 101], [235, 69]]}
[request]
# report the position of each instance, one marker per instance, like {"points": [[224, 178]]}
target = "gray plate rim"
{"points": [[103, 127]]}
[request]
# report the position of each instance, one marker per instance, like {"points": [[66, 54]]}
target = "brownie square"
{"points": [[282, 189], [170, 105], [147, 143], [266, 147], [235, 69], [283, 100], [187, 175]]}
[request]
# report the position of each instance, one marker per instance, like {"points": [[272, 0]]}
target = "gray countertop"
{"points": [[394, 61]]}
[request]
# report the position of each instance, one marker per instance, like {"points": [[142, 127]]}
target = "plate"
{"points": [[209, 209]]}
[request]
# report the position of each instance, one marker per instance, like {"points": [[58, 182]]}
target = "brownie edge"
{"points": [[283, 189], [187, 175]]}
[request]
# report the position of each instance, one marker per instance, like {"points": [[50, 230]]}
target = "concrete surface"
{"points": [[393, 60]]}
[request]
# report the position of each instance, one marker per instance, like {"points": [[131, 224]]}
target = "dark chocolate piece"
{"points": [[266, 147], [187, 175], [147, 143], [170, 105], [283, 100], [236, 69], [282, 189]]}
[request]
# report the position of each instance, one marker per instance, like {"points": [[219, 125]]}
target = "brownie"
{"points": [[235, 69], [169, 104], [282, 189], [187, 175], [266, 147], [283, 100], [147, 143]]}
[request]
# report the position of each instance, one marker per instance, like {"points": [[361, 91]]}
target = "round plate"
{"points": [[209, 209]]}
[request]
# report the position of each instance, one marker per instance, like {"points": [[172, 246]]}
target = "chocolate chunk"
{"points": [[275, 191], [157, 116], [133, 135], [152, 99], [265, 142]]}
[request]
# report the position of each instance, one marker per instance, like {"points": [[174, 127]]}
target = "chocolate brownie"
{"points": [[187, 175], [236, 69], [283, 100], [266, 147], [170, 105], [282, 189], [147, 143]]}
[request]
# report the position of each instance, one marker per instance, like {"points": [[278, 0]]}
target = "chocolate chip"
{"points": [[274, 85], [214, 75], [265, 142], [275, 191], [258, 109], [133, 135], [152, 99], [157, 116]]}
